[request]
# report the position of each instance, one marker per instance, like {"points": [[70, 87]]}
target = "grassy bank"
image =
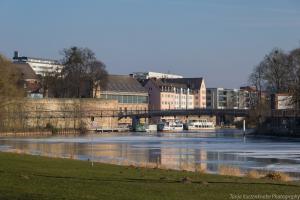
{"points": [[34, 177]]}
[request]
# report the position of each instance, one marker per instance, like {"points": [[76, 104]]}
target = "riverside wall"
{"points": [[60, 113]]}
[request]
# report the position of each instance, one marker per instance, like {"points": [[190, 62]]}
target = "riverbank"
{"points": [[35, 177]]}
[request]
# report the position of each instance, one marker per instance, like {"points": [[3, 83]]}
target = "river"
{"points": [[203, 150]]}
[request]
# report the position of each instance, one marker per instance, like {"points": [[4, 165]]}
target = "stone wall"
{"points": [[63, 113]]}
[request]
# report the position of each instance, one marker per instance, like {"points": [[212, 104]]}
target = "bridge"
{"points": [[183, 112]]}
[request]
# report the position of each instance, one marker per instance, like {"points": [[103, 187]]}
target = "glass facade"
{"points": [[127, 99]]}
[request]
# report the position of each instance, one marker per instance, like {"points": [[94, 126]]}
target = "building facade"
{"points": [[39, 65], [181, 93], [220, 98]]}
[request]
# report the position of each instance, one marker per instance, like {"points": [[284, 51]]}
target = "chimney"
{"points": [[16, 55]]}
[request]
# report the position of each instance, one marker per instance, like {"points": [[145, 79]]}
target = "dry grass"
{"points": [[278, 176], [229, 171], [200, 169], [254, 174]]}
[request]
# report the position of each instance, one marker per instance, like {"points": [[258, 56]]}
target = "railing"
{"points": [[285, 113], [182, 112]]}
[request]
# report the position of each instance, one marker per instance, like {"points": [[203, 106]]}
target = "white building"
{"points": [[148, 75], [221, 98], [40, 66]]}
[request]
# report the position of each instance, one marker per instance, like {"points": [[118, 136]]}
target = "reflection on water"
{"points": [[205, 151]]}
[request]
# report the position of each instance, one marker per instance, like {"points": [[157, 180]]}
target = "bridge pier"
{"points": [[135, 122]]}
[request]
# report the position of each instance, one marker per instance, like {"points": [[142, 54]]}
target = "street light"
{"points": [[92, 150]]}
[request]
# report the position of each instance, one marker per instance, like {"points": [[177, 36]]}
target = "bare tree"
{"points": [[276, 71], [97, 75], [256, 79], [294, 74], [82, 72]]}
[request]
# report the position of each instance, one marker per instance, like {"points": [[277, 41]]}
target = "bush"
{"points": [[278, 176], [229, 171], [51, 128], [253, 174], [82, 128]]}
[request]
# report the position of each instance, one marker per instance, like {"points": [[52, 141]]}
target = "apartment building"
{"points": [[181, 93], [221, 98]]}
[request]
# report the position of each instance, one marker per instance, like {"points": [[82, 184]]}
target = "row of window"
{"points": [[171, 103], [132, 99], [176, 96]]}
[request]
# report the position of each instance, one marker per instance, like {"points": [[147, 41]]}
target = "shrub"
{"points": [[229, 171], [253, 174], [51, 128], [278, 176], [82, 128]]}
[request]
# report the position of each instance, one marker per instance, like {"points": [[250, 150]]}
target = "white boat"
{"points": [[170, 126], [201, 124]]}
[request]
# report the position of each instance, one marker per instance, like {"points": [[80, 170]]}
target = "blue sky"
{"points": [[221, 40]]}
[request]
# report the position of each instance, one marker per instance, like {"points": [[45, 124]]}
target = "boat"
{"points": [[170, 126], [201, 124]]}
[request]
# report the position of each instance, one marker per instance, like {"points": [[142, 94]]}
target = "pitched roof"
{"points": [[123, 83], [192, 83], [26, 71], [163, 82]]}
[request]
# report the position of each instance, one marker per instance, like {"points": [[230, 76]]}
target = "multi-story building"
{"points": [[220, 98], [131, 95], [181, 93], [248, 97], [39, 65], [178, 93]]}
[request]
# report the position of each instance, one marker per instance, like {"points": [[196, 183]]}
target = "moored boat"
{"points": [[170, 126], [201, 124]]}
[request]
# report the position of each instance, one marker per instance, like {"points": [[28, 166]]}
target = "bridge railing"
{"points": [[285, 113], [181, 112]]}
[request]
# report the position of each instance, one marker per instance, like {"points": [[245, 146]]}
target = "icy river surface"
{"points": [[203, 150]]}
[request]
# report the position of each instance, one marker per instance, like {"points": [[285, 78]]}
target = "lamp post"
{"points": [[92, 149]]}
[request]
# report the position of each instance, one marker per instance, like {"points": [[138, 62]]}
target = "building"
{"points": [[281, 101], [249, 97], [39, 65], [131, 95], [147, 75], [30, 80], [220, 98], [181, 93]]}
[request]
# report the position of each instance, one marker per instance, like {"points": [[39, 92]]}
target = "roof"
{"points": [[123, 83], [26, 71], [192, 83], [164, 82], [25, 58]]}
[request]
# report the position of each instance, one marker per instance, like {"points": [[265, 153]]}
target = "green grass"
{"points": [[34, 177]]}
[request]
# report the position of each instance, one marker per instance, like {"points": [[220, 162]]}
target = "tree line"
{"points": [[278, 72]]}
